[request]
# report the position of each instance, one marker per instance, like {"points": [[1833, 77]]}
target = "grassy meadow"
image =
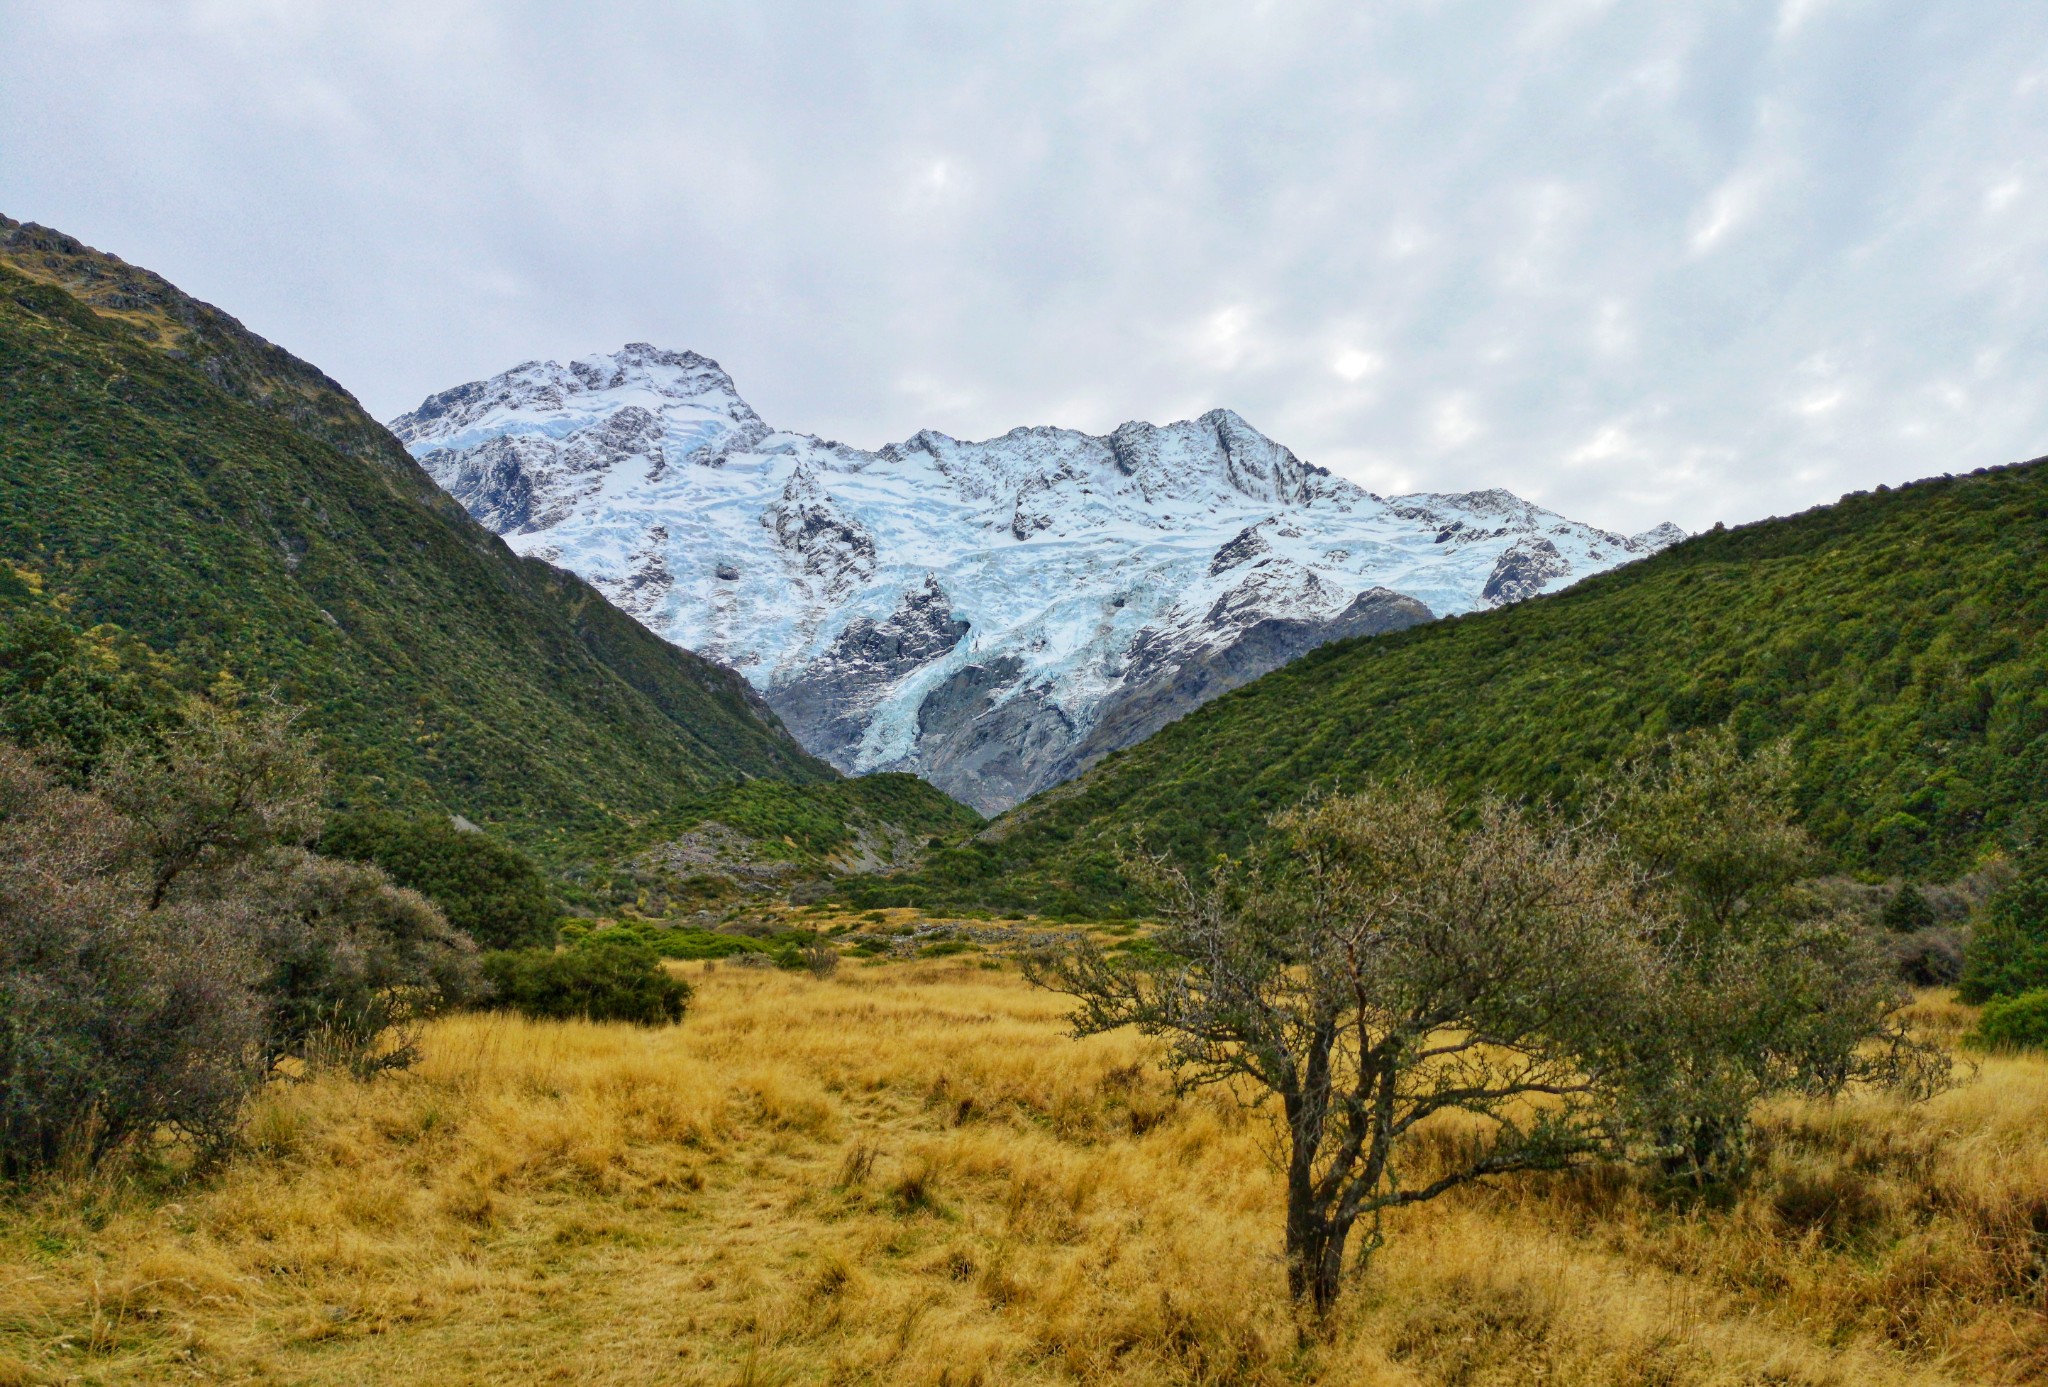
{"points": [[907, 1173]]}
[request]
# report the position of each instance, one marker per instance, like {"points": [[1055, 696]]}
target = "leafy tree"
{"points": [[163, 943], [2008, 954], [604, 978], [1760, 991], [489, 890], [1374, 966]]}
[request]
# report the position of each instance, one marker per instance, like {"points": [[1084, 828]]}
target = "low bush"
{"points": [[695, 944], [2012, 1023], [489, 890], [353, 965], [608, 977], [1929, 957], [164, 942], [2008, 955], [820, 958]]}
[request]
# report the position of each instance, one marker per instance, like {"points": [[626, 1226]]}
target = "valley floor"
{"points": [[906, 1173]]}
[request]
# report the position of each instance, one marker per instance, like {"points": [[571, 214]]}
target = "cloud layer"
{"points": [[1700, 262]]}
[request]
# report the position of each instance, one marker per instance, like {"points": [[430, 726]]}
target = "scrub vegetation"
{"points": [[1897, 641]]}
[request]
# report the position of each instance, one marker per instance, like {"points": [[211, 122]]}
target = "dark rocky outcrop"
{"points": [[1248, 545], [828, 703], [987, 743], [1522, 571], [1162, 684]]}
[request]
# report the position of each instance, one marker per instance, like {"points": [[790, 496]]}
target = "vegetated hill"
{"points": [[1896, 638], [165, 470]]}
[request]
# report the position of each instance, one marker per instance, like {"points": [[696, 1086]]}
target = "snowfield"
{"points": [[992, 615]]}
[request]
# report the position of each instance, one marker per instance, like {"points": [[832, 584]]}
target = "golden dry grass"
{"points": [[909, 1175]]}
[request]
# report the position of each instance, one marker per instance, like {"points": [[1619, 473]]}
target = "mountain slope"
{"points": [[991, 616], [169, 472], [1899, 639]]}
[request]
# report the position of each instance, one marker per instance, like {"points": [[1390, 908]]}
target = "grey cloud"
{"points": [[1634, 261]]}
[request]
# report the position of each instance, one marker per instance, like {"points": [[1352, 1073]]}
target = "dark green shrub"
{"points": [[2009, 953], [489, 890], [602, 979], [71, 694], [2012, 1023], [1907, 911]]}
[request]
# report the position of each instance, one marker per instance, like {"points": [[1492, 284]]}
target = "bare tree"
{"points": [[1375, 967]]}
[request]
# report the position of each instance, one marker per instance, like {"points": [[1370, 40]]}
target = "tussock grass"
{"points": [[910, 1175]]}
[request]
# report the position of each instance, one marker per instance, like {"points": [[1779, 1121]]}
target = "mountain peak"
{"points": [[548, 394], [1100, 584]]}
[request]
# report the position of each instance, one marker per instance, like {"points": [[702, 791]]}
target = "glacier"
{"points": [[993, 616]]}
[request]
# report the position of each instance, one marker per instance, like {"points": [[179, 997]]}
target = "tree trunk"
{"points": [[1315, 1248]]}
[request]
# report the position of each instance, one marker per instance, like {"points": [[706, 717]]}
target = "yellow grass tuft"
{"points": [[910, 1175]]}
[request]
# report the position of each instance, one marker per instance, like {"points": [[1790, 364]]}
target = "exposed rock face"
{"points": [[827, 706], [988, 740], [1522, 571], [1165, 683], [1247, 546], [990, 615], [818, 539]]}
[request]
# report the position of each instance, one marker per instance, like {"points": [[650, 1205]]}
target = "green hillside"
{"points": [[1897, 638], [164, 470]]}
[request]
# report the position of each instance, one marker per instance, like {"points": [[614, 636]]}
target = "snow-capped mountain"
{"points": [[993, 616]]}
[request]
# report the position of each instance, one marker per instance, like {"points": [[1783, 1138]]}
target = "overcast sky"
{"points": [[1636, 261]]}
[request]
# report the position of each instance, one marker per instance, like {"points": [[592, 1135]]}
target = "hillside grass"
{"points": [[908, 1174], [1898, 639], [231, 509]]}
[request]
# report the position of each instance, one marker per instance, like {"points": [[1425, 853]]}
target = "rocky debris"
{"points": [[714, 849], [1005, 937], [997, 746]]}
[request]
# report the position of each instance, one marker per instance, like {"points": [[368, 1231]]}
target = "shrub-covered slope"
{"points": [[1896, 638], [164, 470]]}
